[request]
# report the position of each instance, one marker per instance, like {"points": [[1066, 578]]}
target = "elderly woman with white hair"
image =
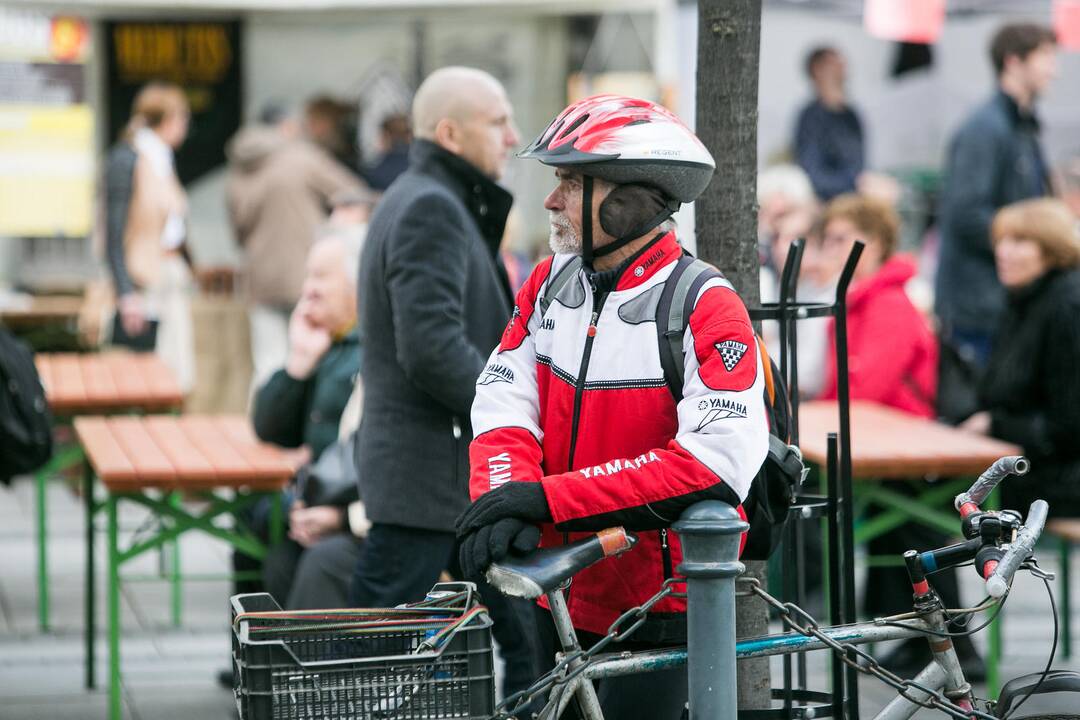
{"points": [[301, 406]]}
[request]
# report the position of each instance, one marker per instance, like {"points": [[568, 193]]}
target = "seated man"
{"points": [[300, 406]]}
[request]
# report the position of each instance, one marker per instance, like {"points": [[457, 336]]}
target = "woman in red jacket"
{"points": [[892, 353]]}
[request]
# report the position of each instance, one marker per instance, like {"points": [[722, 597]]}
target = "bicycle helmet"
{"points": [[625, 141]]}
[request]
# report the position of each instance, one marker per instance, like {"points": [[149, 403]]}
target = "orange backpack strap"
{"points": [[766, 365]]}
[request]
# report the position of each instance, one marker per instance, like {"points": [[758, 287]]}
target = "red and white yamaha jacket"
{"points": [[577, 401]]}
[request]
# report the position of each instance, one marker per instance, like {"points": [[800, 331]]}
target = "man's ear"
{"points": [[447, 135]]}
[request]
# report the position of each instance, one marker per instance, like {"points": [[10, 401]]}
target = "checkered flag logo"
{"points": [[731, 352]]}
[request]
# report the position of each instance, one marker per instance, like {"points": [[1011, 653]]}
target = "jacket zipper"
{"points": [[665, 552], [579, 388]]}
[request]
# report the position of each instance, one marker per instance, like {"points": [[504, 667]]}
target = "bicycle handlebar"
{"points": [[998, 582], [1002, 468]]}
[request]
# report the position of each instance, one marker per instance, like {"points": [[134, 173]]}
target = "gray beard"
{"points": [[563, 241]]}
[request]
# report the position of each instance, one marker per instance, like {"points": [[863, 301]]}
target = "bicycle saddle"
{"points": [[540, 572]]}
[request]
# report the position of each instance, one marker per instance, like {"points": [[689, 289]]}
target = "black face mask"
{"points": [[627, 213]]}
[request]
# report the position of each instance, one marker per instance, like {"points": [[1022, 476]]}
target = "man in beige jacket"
{"points": [[278, 192]]}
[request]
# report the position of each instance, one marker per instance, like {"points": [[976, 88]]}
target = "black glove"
{"points": [[492, 543], [522, 500]]}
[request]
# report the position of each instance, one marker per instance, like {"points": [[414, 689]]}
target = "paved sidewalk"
{"points": [[170, 673]]}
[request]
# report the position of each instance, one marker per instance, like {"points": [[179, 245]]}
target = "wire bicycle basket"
{"points": [[424, 661]]}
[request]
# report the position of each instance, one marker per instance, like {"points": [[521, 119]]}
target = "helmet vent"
{"points": [[639, 121], [574, 126]]}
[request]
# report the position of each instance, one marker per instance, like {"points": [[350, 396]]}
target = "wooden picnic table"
{"points": [[889, 444], [42, 310], [91, 383], [152, 461], [115, 381]]}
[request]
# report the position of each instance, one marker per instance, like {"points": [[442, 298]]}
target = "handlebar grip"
{"points": [[998, 582], [985, 484], [615, 541]]}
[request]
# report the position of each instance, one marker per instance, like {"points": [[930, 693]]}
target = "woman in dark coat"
{"points": [[1030, 394]]}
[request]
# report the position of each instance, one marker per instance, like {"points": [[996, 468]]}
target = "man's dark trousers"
{"points": [[406, 562]]}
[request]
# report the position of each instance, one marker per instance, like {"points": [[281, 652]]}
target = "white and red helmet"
{"points": [[626, 140]]}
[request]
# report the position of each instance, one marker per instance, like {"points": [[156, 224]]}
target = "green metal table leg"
{"points": [[115, 710], [174, 553], [89, 627], [277, 524], [1063, 612], [40, 480]]}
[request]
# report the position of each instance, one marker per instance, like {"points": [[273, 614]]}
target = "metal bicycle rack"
{"points": [[835, 505]]}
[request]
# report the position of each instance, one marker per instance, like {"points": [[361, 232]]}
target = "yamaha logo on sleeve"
{"points": [[714, 409], [495, 373], [731, 352]]}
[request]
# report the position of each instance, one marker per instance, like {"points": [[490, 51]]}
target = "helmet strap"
{"points": [[633, 233], [586, 220]]}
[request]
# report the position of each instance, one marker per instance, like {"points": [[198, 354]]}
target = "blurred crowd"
{"points": [[978, 325]]}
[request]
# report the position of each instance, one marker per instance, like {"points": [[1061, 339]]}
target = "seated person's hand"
{"points": [[297, 457], [308, 525], [308, 342]]}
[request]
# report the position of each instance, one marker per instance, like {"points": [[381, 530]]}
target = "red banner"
{"points": [[916, 21]]}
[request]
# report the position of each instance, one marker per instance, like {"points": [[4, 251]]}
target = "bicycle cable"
{"points": [[965, 633], [1053, 646]]}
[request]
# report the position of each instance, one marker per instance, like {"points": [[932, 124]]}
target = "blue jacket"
{"points": [[829, 147], [994, 159]]}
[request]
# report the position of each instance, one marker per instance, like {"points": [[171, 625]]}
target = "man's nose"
{"points": [[553, 201], [512, 137]]}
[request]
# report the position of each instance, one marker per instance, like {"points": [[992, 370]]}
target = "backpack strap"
{"points": [[557, 283], [767, 367], [673, 313]]}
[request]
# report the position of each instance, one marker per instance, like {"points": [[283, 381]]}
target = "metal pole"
{"points": [[710, 533], [847, 550], [41, 478], [89, 595]]}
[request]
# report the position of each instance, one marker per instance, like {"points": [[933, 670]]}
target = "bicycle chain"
{"points": [[846, 651]]}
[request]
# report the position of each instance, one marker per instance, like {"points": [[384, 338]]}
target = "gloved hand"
{"points": [[522, 500], [492, 543]]}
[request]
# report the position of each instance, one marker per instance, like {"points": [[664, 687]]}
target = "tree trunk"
{"points": [[729, 37]]}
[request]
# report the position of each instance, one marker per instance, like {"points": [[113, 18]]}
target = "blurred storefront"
{"points": [[233, 58]]}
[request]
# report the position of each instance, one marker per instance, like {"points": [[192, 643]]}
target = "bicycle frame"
{"points": [[935, 676]]}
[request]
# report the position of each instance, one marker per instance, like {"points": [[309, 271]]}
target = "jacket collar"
{"points": [[1018, 117], [641, 266], [1020, 297], [895, 272], [487, 202]]}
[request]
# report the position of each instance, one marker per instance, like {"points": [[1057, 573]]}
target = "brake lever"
{"points": [[1033, 568]]}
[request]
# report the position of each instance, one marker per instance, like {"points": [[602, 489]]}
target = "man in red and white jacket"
{"points": [[575, 426]]}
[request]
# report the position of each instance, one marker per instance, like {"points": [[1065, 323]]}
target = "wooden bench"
{"points": [[153, 461], [116, 381], [1067, 533], [107, 382]]}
